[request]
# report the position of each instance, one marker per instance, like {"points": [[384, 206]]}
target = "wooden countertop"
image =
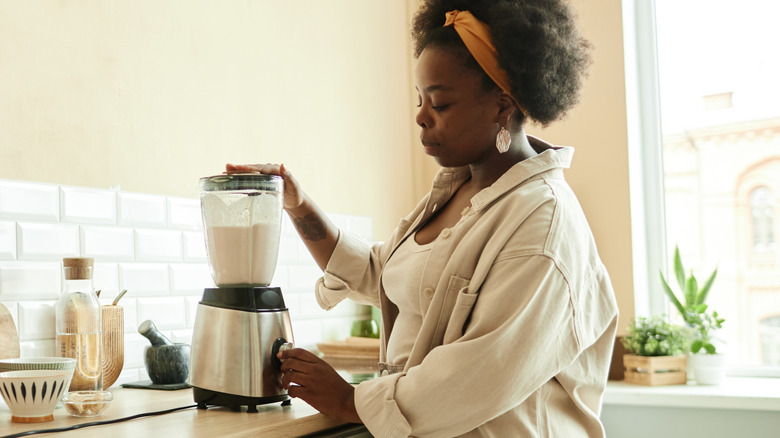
{"points": [[272, 420]]}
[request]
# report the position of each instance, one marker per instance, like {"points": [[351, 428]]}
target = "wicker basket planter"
{"points": [[655, 370]]}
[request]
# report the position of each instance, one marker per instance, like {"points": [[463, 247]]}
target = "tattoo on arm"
{"points": [[310, 227]]}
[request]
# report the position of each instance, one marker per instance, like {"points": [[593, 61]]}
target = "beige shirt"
{"points": [[401, 281], [519, 326]]}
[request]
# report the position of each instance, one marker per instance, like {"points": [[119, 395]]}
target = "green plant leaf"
{"points": [[701, 297], [672, 296], [710, 348], [679, 271], [696, 346], [691, 288], [701, 308]]}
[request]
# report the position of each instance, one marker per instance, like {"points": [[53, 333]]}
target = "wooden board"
{"points": [[351, 347], [9, 337]]}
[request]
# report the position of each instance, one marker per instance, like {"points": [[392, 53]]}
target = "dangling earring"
{"points": [[503, 139]]}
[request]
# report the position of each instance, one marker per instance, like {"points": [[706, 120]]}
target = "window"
{"points": [[762, 211], [709, 128]]}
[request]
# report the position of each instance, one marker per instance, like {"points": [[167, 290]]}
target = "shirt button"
{"points": [[445, 233], [428, 292], [465, 211]]}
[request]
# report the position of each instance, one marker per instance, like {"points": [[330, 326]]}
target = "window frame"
{"points": [[645, 160]]}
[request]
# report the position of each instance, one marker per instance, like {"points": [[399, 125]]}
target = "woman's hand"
{"points": [[293, 195], [311, 379]]}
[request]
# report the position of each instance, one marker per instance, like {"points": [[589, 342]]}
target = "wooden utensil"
{"points": [[9, 337]]}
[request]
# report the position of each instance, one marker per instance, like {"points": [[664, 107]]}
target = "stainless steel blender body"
{"points": [[237, 333]]}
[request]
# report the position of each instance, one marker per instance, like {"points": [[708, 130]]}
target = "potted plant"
{"points": [[707, 364], [657, 352]]}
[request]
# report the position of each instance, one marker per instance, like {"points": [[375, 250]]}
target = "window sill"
{"points": [[744, 393]]}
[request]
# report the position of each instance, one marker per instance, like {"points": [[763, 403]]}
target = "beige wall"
{"points": [[597, 128], [152, 95]]}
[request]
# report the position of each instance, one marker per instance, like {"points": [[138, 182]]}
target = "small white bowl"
{"points": [[32, 395], [87, 403]]}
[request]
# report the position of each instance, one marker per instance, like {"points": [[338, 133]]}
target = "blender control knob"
{"points": [[280, 344]]}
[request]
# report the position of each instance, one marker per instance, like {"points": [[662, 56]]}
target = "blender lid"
{"points": [[242, 181]]}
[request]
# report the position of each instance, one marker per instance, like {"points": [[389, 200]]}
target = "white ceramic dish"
{"points": [[32, 395]]}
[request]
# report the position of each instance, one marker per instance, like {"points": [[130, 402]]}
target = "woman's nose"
{"points": [[422, 119]]}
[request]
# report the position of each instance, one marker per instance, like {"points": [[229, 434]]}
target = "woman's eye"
{"points": [[440, 107]]}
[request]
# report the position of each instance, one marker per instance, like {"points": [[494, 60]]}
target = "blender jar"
{"points": [[242, 215]]}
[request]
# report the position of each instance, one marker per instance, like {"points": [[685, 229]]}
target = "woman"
{"points": [[498, 317]]}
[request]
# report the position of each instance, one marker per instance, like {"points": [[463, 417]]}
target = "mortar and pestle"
{"points": [[166, 362]]}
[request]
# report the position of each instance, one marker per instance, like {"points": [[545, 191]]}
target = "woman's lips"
{"points": [[429, 146]]}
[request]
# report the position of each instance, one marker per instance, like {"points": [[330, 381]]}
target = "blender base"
{"points": [[204, 397]]}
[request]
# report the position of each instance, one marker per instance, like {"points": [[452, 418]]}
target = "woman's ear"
{"points": [[506, 108]]}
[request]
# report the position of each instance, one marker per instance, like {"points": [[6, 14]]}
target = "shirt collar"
{"points": [[549, 157]]}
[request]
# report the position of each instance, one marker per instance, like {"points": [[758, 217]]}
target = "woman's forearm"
{"points": [[317, 231]]}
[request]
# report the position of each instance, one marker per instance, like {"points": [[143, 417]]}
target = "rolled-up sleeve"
{"points": [[352, 272]]}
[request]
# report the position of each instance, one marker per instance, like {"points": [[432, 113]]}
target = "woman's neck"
{"points": [[484, 174]]}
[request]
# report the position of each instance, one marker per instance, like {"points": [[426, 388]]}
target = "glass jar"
{"points": [[78, 325]]}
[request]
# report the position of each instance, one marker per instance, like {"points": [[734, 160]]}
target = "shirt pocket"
{"points": [[464, 303]]}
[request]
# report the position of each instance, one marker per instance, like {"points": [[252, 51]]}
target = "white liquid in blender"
{"points": [[243, 255]]}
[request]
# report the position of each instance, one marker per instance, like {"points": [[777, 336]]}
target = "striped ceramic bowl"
{"points": [[37, 363], [40, 363], [32, 395]]}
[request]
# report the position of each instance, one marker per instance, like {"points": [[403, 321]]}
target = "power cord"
{"points": [[96, 423]]}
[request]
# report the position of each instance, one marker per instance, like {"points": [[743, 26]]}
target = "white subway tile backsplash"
{"points": [[361, 226], [190, 279], [22, 200], [36, 320], [288, 249], [191, 305], [107, 243], [165, 313], [151, 245], [292, 301], [7, 240], [144, 279], [194, 246], [128, 375], [136, 209], [307, 332], [303, 277], [38, 348], [281, 277], [341, 220], [87, 206], [158, 245], [181, 336], [130, 311], [184, 213], [38, 241], [134, 350], [105, 278], [30, 280]]}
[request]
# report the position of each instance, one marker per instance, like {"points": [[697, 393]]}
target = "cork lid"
{"points": [[78, 268]]}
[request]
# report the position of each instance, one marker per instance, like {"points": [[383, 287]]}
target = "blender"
{"points": [[241, 324]]}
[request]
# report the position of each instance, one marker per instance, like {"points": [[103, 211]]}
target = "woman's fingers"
{"points": [[267, 168]]}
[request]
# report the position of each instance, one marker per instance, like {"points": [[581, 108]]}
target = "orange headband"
{"points": [[476, 36]]}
